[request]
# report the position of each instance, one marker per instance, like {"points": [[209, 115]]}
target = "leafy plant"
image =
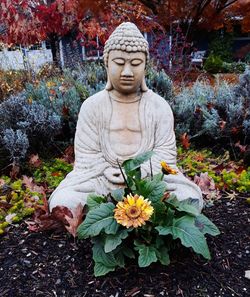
{"points": [[18, 200], [225, 174], [52, 172], [213, 64], [25, 125], [143, 220]]}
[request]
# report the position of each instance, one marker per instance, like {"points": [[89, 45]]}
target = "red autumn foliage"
{"points": [[185, 141]]}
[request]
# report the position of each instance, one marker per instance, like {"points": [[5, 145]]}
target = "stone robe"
{"points": [[94, 154]]}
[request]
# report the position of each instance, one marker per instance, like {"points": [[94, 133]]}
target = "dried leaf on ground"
{"points": [[14, 171], [35, 161], [43, 219], [29, 183], [69, 156], [75, 221], [207, 186]]}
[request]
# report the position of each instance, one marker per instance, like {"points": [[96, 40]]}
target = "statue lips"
{"points": [[126, 81]]}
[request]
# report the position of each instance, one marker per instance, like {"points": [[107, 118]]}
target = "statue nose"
{"points": [[127, 71]]}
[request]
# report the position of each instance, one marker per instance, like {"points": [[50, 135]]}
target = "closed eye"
{"points": [[136, 62], [119, 61]]}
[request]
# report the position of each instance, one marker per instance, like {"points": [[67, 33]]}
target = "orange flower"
{"points": [[133, 211], [166, 169]]}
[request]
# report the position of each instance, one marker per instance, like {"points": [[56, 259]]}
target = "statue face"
{"points": [[126, 70]]}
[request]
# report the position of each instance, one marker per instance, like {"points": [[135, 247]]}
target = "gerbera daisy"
{"points": [[166, 169], [133, 211]]}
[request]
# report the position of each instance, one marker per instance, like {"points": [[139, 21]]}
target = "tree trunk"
{"points": [[55, 49]]}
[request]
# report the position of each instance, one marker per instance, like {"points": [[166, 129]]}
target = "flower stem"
{"points": [[125, 180]]}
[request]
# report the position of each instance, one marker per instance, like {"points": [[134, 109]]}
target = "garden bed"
{"points": [[49, 264]]}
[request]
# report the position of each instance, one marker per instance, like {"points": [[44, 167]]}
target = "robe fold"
{"points": [[94, 154]]}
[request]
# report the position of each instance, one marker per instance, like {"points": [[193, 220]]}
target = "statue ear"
{"points": [[109, 86], [144, 87]]}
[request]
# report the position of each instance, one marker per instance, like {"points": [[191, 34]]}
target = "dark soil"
{"points": [[45, 264]]}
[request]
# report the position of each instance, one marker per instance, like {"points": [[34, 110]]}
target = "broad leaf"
{"points": [[100, 269], [206, 226], [147, 255], [159, 214], [189, 235], [163, 256], [118, 194], [104, 263], [107, 259], [132, 164], [99, 219], [190, 206], [113, 241], [128, 252], [94, 201], [152, 189]]}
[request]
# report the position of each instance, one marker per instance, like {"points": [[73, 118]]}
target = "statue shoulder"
{"points": [[159, 103], [93, 102]]}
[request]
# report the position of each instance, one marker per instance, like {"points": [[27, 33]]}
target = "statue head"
{"points": [[125, 56]]}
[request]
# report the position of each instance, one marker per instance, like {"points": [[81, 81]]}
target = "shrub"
{"points": [[217, 113], [213, 64], [60, 97], [26, 124], [159, 82], [221, 45], [12, 82], [235, 67]]}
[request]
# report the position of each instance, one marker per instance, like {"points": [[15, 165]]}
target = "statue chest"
{"points": [[125, 129], [125, 117]]}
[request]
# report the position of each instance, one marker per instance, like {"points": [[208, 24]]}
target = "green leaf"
{"points": [[132, 164], [113, 241], [98, 219], [100, 269], [128, 252], [206, 226], [173, 201], [118, 194], [190, 236], [120, 259], [152, 189], [107, 259], [147, 255], [158, 177], [164, 230], [163, 256], [189, 206], [159, 214], [94, 200], [104, 263]]}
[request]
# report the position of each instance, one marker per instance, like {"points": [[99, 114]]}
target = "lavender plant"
{"points": [[25, 124]]}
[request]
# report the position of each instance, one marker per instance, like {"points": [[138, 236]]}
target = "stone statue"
{"points": [[120, 122]]}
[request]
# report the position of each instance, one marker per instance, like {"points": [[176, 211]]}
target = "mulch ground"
{"points": [[48, 264]]}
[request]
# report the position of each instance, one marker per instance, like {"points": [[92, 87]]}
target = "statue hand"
{"points": [[114, 175]]}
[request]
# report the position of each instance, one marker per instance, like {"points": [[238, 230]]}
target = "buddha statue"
{"points": [[120, 122]]}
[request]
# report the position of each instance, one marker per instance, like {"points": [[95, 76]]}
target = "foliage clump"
{"points": [[25, 124], [142, 221], [18, 200], [52, 172], [218, 114]]}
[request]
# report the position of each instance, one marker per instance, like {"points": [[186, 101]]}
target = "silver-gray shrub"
{"points": [[65, 103], [159, 82], [219, 112], [189, 106], [26, 124]]}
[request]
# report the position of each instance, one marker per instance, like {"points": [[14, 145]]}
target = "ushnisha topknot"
{"points": [[128, 38]]}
